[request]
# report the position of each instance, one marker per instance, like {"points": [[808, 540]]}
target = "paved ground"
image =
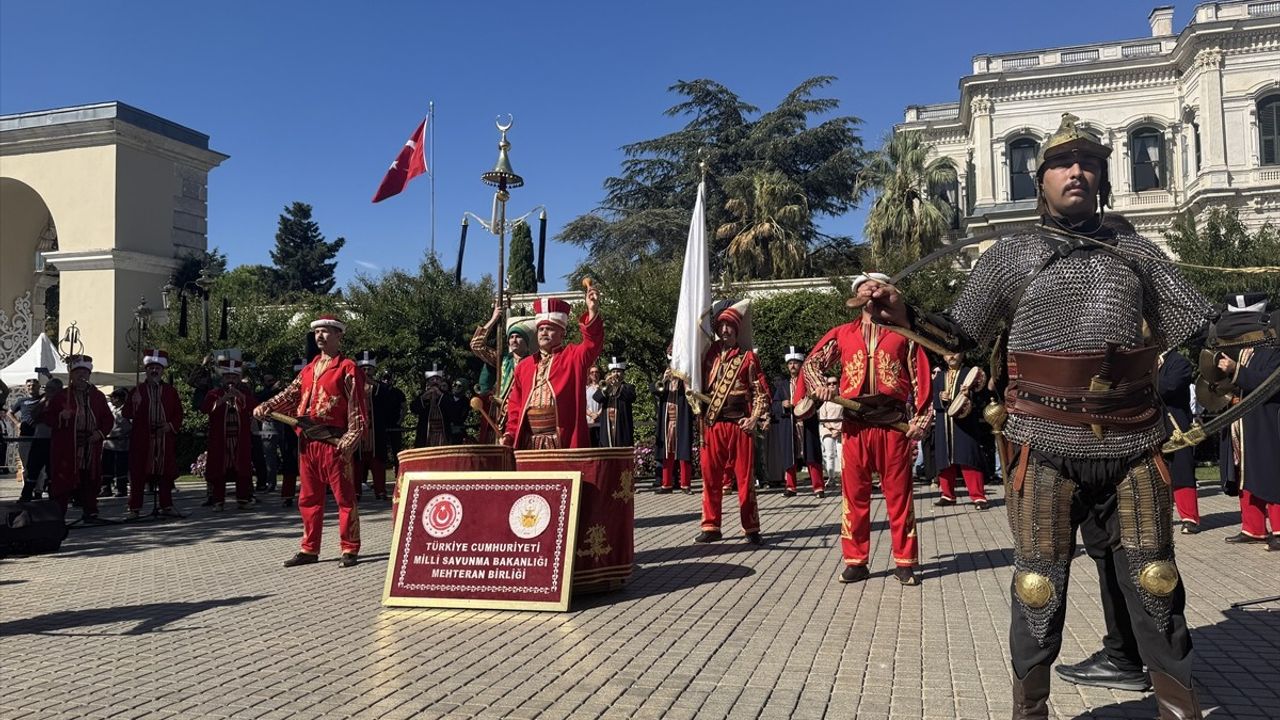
{"points": [[197, 619]]}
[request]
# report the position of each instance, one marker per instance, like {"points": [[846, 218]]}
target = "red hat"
{"points": [[155, 356], [76, 362], [230, 366], [331, 321], [551, 310]]}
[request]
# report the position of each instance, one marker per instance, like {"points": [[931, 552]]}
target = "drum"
{"points": [[453, 458], [606, 511], [805, 408]]}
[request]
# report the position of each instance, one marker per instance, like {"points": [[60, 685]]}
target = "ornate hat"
{"points": [[877, 276], [736, 313], [155, 356], [76, 362], [435, 371], [230, 366], [617, 365], [365, 358], [522, 326], [794, 354], [331, 321], [551, 310], [1071, 139], [1247, 302]]}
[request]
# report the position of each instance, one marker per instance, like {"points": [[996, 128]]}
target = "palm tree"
{"points": [[910, 215], [769, 228]]}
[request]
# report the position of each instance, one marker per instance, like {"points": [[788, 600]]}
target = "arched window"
{"points": [[1146, 151], [1022, 168], [1269, 129]]}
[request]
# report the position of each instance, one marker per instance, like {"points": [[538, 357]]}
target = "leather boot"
{"points": [[1174, 701], [1031, 695]]}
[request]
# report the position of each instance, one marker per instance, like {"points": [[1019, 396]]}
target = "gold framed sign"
{"points": [[501, 540]]}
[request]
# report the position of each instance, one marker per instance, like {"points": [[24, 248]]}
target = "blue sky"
{"points": [[312, 100]]}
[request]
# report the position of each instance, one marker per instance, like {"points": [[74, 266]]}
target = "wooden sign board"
{"points": [[500, 540]]}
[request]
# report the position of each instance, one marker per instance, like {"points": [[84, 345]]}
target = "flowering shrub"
{"points": [[198, 467], [647, 460]]}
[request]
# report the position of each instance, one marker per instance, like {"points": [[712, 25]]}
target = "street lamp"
{"points": [[199, 288], [504, 178], [136, 338]]}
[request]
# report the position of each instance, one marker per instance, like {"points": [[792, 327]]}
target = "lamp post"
{"points": [[505, 179], [199, 288], [136, 338]]}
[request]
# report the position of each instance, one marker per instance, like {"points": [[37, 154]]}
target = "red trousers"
{"points": [[815, 476], [972, 482], [62, 489], [1255, 513], [323, 466], [887, 452], [727, 453], [137, 484], [288, 486], [1185, 499], [378, 467], [668, 470], [218, 486]]}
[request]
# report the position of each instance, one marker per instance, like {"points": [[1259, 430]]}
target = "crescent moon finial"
{"points": [[507, 126]]}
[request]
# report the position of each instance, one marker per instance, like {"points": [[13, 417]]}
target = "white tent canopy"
{"points": [[43, 354]]}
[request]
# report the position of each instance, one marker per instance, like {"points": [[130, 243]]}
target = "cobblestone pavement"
{"points": [[196, 618]]}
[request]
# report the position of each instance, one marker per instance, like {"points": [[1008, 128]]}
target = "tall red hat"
{"points": [[551, 310], [155, 356]]}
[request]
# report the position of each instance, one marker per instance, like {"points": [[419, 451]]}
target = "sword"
{"points": [[856, 408], [310, 430], [1198, 433], [1102, 381]]}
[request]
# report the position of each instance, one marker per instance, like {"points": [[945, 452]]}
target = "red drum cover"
{"points": [[606, 512], [453, 458]]}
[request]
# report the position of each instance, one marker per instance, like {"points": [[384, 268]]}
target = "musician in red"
{"points": [[889, 376], [229, 407], [739, 398], [80, 418], [328, 397], [156, 413], [546, 407]]}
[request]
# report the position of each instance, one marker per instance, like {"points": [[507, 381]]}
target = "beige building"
{"points": [[101, 200], [1193, 119]]}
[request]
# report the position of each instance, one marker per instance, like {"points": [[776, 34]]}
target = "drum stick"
{"points": [[478, 405]]}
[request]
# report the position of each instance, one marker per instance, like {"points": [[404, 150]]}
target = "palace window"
{"points": [[1147, 153], [1269, 129], [1022, 168]]}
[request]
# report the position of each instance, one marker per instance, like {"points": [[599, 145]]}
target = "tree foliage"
{"points": [[1224, 242], [303, 258], [909, 210], [796, 146], [768, 224], [521, 275]]}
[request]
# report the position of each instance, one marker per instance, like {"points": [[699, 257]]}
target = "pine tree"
{"points": [[521, 277], [303, 258]]}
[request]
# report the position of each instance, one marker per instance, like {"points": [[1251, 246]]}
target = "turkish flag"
{"points": [[409, 164]]}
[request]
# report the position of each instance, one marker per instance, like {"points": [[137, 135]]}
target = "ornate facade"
{"points": [[1193, 120]]}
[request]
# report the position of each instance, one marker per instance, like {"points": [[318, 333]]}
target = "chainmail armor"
{"points": [[1077, 304], [1040, 520]]}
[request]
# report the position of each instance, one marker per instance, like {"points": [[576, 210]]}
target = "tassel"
{"points": [[222, 326], [462, 248], [542, 247], [182, 318]]}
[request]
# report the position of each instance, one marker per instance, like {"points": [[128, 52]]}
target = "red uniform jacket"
{"points": [[167, 422], [66, 445], [334, 397], [568, 377], [745, 393], [876, 366], [217, 403]]}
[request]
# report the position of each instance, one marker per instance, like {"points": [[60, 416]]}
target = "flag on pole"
{"points": [[409, 164], [693, 323]]}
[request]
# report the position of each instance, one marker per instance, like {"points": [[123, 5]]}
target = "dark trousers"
{"points": [[1093, 506], [115, 470], [1120, 643]]}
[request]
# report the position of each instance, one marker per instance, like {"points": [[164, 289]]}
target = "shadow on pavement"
{"points": [[661, 520], [648, 581], [965, 562], [150, 618]]}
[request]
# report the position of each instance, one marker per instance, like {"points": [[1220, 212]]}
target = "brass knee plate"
{"points": [[1160, 578], [1033, 589]]}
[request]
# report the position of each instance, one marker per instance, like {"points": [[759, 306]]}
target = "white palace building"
{"points": [[1193, 119]]}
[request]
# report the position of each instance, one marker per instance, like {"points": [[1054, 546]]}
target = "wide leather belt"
{"points": [[1057, 387], [542, 419]]}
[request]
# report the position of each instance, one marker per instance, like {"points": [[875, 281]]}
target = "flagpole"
{"points": [[431, 125]]}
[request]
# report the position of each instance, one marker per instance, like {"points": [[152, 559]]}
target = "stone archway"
{"points": [[104, 200]]}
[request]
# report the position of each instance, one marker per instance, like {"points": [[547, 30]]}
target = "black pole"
{"points": [[462, 248], [542, 247], [222, 324]]}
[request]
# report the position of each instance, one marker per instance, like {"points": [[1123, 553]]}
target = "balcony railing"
{"points": [[1019, 63], [1078, 56], [1142, 50], [1260, 9]]}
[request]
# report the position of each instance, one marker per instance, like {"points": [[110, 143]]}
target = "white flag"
{"points": [[693, 322]]}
